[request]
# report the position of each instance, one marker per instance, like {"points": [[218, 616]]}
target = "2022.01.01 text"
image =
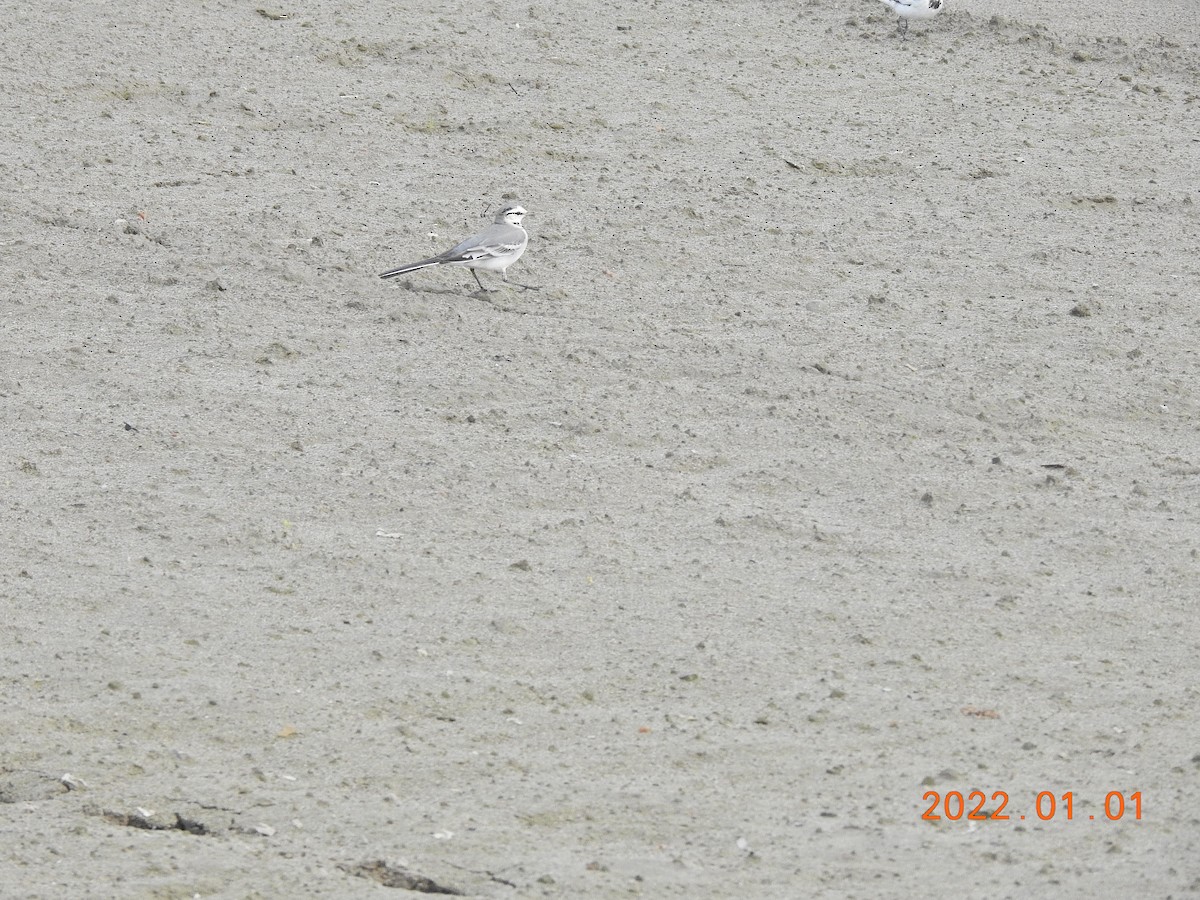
{"points": [[953, 805]]}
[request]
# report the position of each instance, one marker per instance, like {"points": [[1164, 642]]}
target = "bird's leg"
{"points": [[478, 282], [902, 25]]}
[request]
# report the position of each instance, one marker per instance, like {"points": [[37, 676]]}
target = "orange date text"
{"points": [[974, 806]]}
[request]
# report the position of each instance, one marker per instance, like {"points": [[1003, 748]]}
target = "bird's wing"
{"points": [[495, 240]]}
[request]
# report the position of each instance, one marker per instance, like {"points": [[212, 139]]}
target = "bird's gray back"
{"points": [[500, 234]]}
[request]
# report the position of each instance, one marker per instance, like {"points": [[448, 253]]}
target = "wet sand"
{"points": [[846, 451]]}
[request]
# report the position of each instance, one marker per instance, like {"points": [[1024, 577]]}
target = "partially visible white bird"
{"points": [[914, 9], [494, 249]]}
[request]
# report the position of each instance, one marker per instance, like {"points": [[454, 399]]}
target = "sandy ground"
{"points": [[848, 451]]}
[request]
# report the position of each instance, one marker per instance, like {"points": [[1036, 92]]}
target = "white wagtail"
{"points": [[494, 249], [914, 9]]}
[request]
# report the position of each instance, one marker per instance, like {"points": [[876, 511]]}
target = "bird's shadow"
{"points": [[486, 294]]}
